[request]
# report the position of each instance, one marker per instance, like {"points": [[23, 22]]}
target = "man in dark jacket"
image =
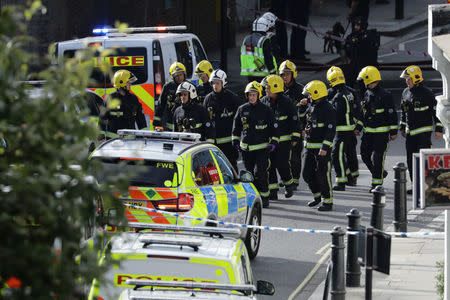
{"points": [[288, 126], [222, 105], [380, 124], [348, 113], [127, 112], [418, 115], [256, 123], [190, 116], [166, 103], [319, 133], [292, 89]]}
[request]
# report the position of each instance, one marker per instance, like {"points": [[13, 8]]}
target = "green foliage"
{"points": [[47, 192], [440, 279]]}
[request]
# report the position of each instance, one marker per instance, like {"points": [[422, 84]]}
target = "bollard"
{"points": [[378, 203], [353, 270], [399, 9], [337, 258], [400, 220], [369, 263]]}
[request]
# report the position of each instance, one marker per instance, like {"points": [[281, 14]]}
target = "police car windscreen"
{"points": [[148, 173], [131, 59]]}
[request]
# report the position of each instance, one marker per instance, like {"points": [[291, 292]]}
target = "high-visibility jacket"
{"points": [[256, 56], [378, 112], [419, 111], [348, 109], [257, 124]]}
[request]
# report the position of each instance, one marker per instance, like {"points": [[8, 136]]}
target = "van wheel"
{"points": [[253, 237]]}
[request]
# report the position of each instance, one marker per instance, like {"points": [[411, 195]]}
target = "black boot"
{"points": [[289, 192], [325, 207], [339, 187], [351, 181], [315, 202], [265, 201], [273, 195]]}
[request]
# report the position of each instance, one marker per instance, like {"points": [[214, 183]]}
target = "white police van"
{"points": [[147, 52]]}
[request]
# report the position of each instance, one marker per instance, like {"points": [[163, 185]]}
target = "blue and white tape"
{"points": [[401, 234]]}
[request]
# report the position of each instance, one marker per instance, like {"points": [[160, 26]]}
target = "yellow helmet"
{"points": [[275, 82], [177, 67], [369, 74], [204, 67], [288, 66], [316, 89], [254, 86], [335, 76], [414, 72], [122, 77]]}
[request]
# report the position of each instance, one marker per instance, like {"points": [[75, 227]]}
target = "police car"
{"points": [[200, 262], [175, 172], [147, 52]]}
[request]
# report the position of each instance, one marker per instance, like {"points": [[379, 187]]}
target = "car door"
{"points": [[235, 193]]}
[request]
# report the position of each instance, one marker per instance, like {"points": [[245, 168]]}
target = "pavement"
{"points": [[413, 260]]}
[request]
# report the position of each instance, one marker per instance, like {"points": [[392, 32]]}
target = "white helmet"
{"points": [[218, 75], [186, 86], [261, 25], [270, 17]]}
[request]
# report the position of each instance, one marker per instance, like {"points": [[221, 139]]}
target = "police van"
{"points": [[179, 262], [147, 52]]}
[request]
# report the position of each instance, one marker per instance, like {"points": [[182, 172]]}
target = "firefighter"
{"points": [[288, 126], [166, 105], [257, 60], [379, 124], [256, 123], [222, 105], [293, 90], [126, 113], [203, 70], [418, 115], [347, 108], [320, 119], [190, 116]]}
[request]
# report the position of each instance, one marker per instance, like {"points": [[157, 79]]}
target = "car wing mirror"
{"points": [[246, 176], [265, 288]]}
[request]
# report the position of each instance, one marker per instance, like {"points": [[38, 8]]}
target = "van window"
{"points": [[131, 59], [184, 56], [198, 50]]}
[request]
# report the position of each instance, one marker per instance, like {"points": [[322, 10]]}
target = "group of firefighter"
{"points": [[280, 117]]}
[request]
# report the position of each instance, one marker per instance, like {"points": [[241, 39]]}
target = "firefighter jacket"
{"points": [[294, 93], [348, 108], [166, 105], [257, 124], [285, 116], [256, 56], [222, 108], [123, 116], [419, 110], [361, 47], [320, 120], [203, 90], [378, 112], [192, 117]]}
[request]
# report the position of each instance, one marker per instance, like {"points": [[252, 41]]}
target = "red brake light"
{"points": [[158, 89], [162, 28], [184, 202], [95, 44]]}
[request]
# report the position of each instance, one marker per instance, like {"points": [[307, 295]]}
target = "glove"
{"points": [[271, 147]]}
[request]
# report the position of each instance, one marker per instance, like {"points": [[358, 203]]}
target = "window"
{"points": [[204, 170], [225, 167], [198, 50], [184, 56], [131, 59], [145, 173]]}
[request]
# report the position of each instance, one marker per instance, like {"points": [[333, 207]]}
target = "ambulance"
{"points": [[147, 52]]}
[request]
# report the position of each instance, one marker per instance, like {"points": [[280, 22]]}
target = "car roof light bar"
{"points": [[192, 285], [106, 30], [203, 229], [151, 240], [182, 136]]}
